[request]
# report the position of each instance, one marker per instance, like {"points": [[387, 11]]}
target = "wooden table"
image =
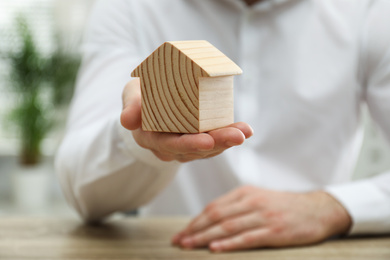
{"points": [[55, 239]]}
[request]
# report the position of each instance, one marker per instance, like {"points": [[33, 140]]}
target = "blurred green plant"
{"points": [[41, 83], [61, 70]]}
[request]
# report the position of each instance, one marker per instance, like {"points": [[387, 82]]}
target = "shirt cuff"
{"points": [[367, 205], [141, 154]]}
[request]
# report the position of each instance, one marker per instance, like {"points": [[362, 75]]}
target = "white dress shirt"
{"points": [[309, 67]]}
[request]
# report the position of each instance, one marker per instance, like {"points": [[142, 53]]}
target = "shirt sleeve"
{"points": [[368, 201], [100, 167]]}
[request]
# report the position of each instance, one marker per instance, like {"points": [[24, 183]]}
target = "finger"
{"points": [[182, 143], [167, 157], [199, 155], [177, 238], [215, 213], [225, 229], [196, 156], [231, 197], [131, 100], [256, 238], [150, 140], [175, 146], [235, 195], [227, 137], [245, 128]]}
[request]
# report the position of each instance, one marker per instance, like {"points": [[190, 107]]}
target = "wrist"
{"points": [[335, 217]]}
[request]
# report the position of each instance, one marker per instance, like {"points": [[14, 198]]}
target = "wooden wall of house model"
{"points": [[187, 87]]}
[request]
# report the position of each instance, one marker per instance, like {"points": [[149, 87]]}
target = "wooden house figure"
{"points": [[186, 87]]}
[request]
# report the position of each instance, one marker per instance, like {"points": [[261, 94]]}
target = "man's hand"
{"points": [[251, 217], [180, 147]]}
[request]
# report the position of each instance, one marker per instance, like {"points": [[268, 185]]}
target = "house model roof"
{"points": [[211, 61]]}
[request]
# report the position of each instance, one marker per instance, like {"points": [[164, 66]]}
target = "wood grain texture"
{"points": [[216, 106], [139, 238], [171, 91]]}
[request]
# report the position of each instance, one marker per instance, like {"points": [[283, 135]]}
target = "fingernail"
{"points": [[252, 132]]}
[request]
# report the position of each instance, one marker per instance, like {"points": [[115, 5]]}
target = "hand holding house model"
{"points": [[186, 87]]}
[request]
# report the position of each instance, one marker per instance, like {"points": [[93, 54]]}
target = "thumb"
{"points": [[131, 100]]}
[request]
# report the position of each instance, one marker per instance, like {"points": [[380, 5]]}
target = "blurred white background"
{"points": [[68, 18]]}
